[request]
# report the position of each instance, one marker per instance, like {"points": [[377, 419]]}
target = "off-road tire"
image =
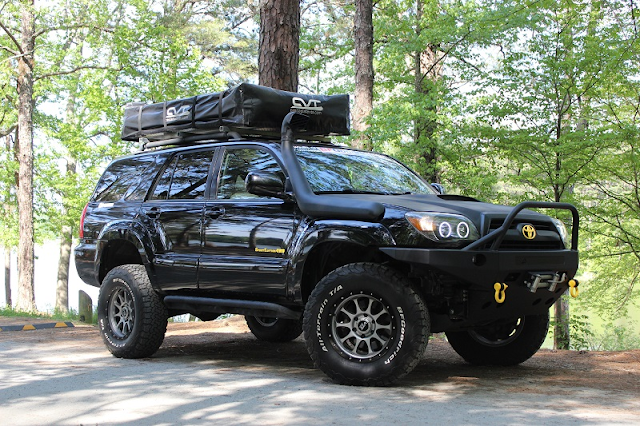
{"points": [[365, 301], [502, 343], [274, 329], [131, 315]]}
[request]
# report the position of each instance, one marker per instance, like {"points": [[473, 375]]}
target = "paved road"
{"points": [[66, 377]]}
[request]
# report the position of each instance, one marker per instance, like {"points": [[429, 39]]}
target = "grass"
{"points": [[72, 315]]}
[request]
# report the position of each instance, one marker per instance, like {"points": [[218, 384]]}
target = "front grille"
{"points": [[547, 236], [540, 226]]}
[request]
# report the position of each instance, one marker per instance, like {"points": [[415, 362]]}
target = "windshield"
{"points": [[337, 170]]}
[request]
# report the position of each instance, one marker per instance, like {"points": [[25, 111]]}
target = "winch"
{"points": [[550, 281]]}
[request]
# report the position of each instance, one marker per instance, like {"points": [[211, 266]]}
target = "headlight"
{"points": [[443, 226], [562, 230]]}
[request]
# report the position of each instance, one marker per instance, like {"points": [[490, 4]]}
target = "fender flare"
{"points": [[129, 231], [314, 233]]}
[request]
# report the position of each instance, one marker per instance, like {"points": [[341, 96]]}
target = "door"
{"points": [[174, 210], [246, 237]]}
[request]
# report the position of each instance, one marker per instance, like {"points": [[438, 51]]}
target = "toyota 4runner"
{"points": [[217, 215]]}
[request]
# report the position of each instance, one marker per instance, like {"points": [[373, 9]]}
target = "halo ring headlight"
{"points": [[445, 230], [463, 230], [443, 227]]}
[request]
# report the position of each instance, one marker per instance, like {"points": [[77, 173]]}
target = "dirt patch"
{"points": [[602, 370], [230, 341]]}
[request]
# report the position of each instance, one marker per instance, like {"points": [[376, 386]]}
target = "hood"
{"points": [[473, 209]]}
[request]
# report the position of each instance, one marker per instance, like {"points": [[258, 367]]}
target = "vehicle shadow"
{"points": [[440, 363]]}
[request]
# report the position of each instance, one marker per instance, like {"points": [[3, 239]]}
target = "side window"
{"points": [[139, 191], [185, 178], [120, 176], [237, 164]]}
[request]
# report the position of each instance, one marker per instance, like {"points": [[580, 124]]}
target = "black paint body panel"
{"points": [[259, 250]]}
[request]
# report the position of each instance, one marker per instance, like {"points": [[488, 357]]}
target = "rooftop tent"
{"points": [[246, 109]]}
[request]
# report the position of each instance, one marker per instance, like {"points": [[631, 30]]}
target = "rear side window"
{"points": [[121, 177], [185, 178], [139, 191]]}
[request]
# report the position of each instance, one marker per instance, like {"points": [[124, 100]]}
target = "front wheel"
{"points": [[365, 325], [506, 342], [274, 329], [131, 315]]}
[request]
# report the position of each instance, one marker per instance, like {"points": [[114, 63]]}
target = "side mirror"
{"points": [[264, 184], [438, 187]]}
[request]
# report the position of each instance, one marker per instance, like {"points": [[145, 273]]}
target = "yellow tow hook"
{"points": [[500, 289], [573, 288]]}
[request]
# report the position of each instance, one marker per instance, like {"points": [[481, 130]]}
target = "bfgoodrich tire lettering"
{"points": [[274, 329], [365, 325], [131, 315], [506, 342]]}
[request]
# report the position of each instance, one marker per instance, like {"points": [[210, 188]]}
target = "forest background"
{"points": [[503, 101]]}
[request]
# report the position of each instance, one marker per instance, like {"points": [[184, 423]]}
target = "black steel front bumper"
{"points": [[497, 283]]}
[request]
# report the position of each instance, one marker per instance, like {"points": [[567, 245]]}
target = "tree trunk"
{"points": [[279, 44], [428, 70], [7, 276], [26, 296], [62, 288], [363, 36], [561, 337], [66, 237]]}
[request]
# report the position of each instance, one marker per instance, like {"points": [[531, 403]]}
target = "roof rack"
{"points": [[224, 134]]}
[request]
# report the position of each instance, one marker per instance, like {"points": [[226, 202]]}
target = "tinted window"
{"points": [[185, 177], [190, 176], [120, 176], [146, 179], [237, 164]]}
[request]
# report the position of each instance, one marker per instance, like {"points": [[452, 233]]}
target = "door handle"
{"points": [[153, 212], [214, 212]]}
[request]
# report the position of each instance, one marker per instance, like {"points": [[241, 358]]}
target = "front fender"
{"points": [[313, 233]]}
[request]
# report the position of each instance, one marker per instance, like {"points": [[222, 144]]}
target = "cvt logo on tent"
{"points": [[312, 106], [175, 114]]}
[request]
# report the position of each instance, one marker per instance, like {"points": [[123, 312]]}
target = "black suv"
{"points": [[351, 247]]}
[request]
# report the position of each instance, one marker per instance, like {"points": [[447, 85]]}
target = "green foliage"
{"points": [[54, 315], [91, 58], [614, 338], [533, 108], [326, 47], [70, 315], [580, 332]]}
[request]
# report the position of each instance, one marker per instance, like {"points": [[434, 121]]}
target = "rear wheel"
{"points": [[131, 315], [274, 329], [365, 325], [503, 342]]}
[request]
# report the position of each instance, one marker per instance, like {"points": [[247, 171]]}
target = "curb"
{"points": [[36, 326]]}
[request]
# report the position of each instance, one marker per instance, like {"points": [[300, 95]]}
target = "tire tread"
{"points": [[415, 303], [154, 315]]}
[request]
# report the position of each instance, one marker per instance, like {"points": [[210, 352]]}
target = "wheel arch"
{"points": [[122, 243], [332, 244]]}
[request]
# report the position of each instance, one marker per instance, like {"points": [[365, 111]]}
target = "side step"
{"points": [[190, 304]]}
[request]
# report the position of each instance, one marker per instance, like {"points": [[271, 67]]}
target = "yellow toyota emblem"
{"points": [[529, 232]]}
